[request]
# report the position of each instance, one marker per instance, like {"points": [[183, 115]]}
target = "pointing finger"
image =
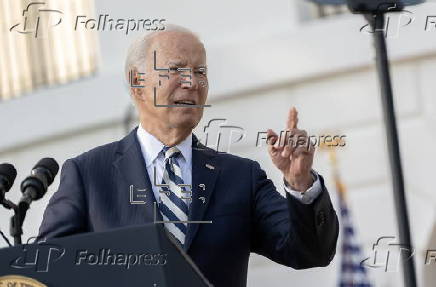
{"points": [[292, 118]]}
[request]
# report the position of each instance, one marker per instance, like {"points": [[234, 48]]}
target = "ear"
{"points": [[137, 84]]}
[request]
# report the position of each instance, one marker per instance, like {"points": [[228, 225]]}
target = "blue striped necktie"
{"points": [[172, 206]]}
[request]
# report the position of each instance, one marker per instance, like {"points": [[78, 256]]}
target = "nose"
{"points": [[189, 80]]}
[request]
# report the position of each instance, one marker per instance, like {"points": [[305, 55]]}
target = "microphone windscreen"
{"points": [[9, 172], [51, 165]]}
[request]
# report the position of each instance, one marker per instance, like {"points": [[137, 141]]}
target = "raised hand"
{"points": [[292, 153]]}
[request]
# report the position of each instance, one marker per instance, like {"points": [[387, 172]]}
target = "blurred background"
{"points": [[62, 92]]}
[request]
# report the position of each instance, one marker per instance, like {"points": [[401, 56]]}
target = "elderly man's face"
{"points": [[179, 52]]}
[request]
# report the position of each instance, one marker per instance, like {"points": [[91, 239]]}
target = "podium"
{"points": [[146, 256]]}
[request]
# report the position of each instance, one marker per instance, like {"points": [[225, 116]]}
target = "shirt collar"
{"points": [[151, 146]]}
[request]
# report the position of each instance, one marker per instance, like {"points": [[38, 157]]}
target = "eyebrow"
{"points": [[183, 63]]}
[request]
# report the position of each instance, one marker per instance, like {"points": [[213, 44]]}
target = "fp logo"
{"points": [[33, 13], [38, 257], [229, 132], [388, 255], [392, 25]]}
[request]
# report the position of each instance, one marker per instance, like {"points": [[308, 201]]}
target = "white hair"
{"points": [[137, 52]]}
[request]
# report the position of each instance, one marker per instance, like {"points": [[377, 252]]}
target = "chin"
{"points": [[185, 122]]}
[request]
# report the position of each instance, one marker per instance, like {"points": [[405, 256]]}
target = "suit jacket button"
{"points": [[321, 218]]}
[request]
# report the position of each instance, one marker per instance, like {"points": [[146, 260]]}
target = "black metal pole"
{"points": [[16, 230], [15, 226], [378, 22]]}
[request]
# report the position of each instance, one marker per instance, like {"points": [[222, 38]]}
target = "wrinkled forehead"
{"points": [[179, 47]]}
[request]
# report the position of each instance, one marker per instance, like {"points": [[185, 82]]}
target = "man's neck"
{"points": [[167, 136]]}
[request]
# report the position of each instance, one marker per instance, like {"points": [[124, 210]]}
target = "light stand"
{"points": [[374, 11], [377, 22]]}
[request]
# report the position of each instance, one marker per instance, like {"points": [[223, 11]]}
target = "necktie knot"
{"points": [[170, 152]]}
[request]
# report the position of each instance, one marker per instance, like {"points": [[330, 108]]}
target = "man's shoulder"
{"points": [[98, 155]]}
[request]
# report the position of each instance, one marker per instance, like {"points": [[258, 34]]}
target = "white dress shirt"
{"points": [[154, 160]]}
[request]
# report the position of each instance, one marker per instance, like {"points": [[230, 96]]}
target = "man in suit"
{"points": [[247, 213]]}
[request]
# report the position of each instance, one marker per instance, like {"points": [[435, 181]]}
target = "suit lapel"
{"points": [[133, 172], [204, 174]]}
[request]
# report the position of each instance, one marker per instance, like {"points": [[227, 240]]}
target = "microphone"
{"points": [[35, 186], [8, 173]]}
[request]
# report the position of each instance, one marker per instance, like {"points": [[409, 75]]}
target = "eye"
{"points": [[201, 71], [173, 69]]}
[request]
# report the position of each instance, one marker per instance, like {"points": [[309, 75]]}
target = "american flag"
{"points": [[353, 273]]}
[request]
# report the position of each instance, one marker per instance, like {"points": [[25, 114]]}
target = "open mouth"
{"points": [[184, 103]]}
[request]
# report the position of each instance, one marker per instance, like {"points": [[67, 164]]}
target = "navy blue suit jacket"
{"points": [[247, 212]]}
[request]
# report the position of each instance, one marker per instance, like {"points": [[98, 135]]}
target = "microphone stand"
{"points": [[377, 22], [16, 221]]}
